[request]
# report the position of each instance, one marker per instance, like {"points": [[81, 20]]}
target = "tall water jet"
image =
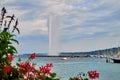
{"points": [[54, 35]]}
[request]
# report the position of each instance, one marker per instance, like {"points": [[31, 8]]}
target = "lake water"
{"points": [[72, 66]]}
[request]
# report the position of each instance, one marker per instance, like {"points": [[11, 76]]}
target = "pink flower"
{"points": [[7, 69], [32, 56]]}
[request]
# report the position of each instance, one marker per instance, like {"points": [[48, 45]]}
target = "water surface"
{"points": [[72, 66]]}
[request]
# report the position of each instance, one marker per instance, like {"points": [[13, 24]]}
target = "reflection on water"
{"points": [[72, 66]]}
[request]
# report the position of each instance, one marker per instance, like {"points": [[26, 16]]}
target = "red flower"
{"points": [[32, 56], [24, 65], [7, 69], [93, 74], [97, 75], [10, 57], [46, 69]]}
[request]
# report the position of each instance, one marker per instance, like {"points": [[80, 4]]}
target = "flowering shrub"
{"points": [[6, 48], [26, 70], [91, 75]]}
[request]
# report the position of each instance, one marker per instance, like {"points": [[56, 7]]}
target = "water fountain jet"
{"points": [[54, 35]]}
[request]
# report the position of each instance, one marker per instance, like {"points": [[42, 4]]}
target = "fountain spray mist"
{"points": [[54, 34]]}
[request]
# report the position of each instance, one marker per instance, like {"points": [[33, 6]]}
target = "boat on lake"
{"points": [[64, 58], [116, 59]]}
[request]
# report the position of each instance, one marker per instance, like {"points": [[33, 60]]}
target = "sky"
{"points": [[86, 25]]}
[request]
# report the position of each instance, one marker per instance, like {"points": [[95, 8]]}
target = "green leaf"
{"points": [[14, 40], [12, 48], [53, 75], [8, 16], [18, 30]]}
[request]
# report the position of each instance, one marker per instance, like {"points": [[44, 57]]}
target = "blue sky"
{"points": [[86, 25]]}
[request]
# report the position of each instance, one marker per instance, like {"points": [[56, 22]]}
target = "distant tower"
{"points": [[54, 34]]}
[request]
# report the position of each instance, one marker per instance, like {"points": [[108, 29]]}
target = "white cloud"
{"points": [[56, 7], [2, 2], [17, 13], [85, 30], [27, 27], [72, 1]]}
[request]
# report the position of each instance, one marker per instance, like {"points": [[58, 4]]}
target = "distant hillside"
{"points": [[110, 51]]}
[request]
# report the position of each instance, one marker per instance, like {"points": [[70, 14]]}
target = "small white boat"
{"points": [[64, 58], [116, 59]]}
